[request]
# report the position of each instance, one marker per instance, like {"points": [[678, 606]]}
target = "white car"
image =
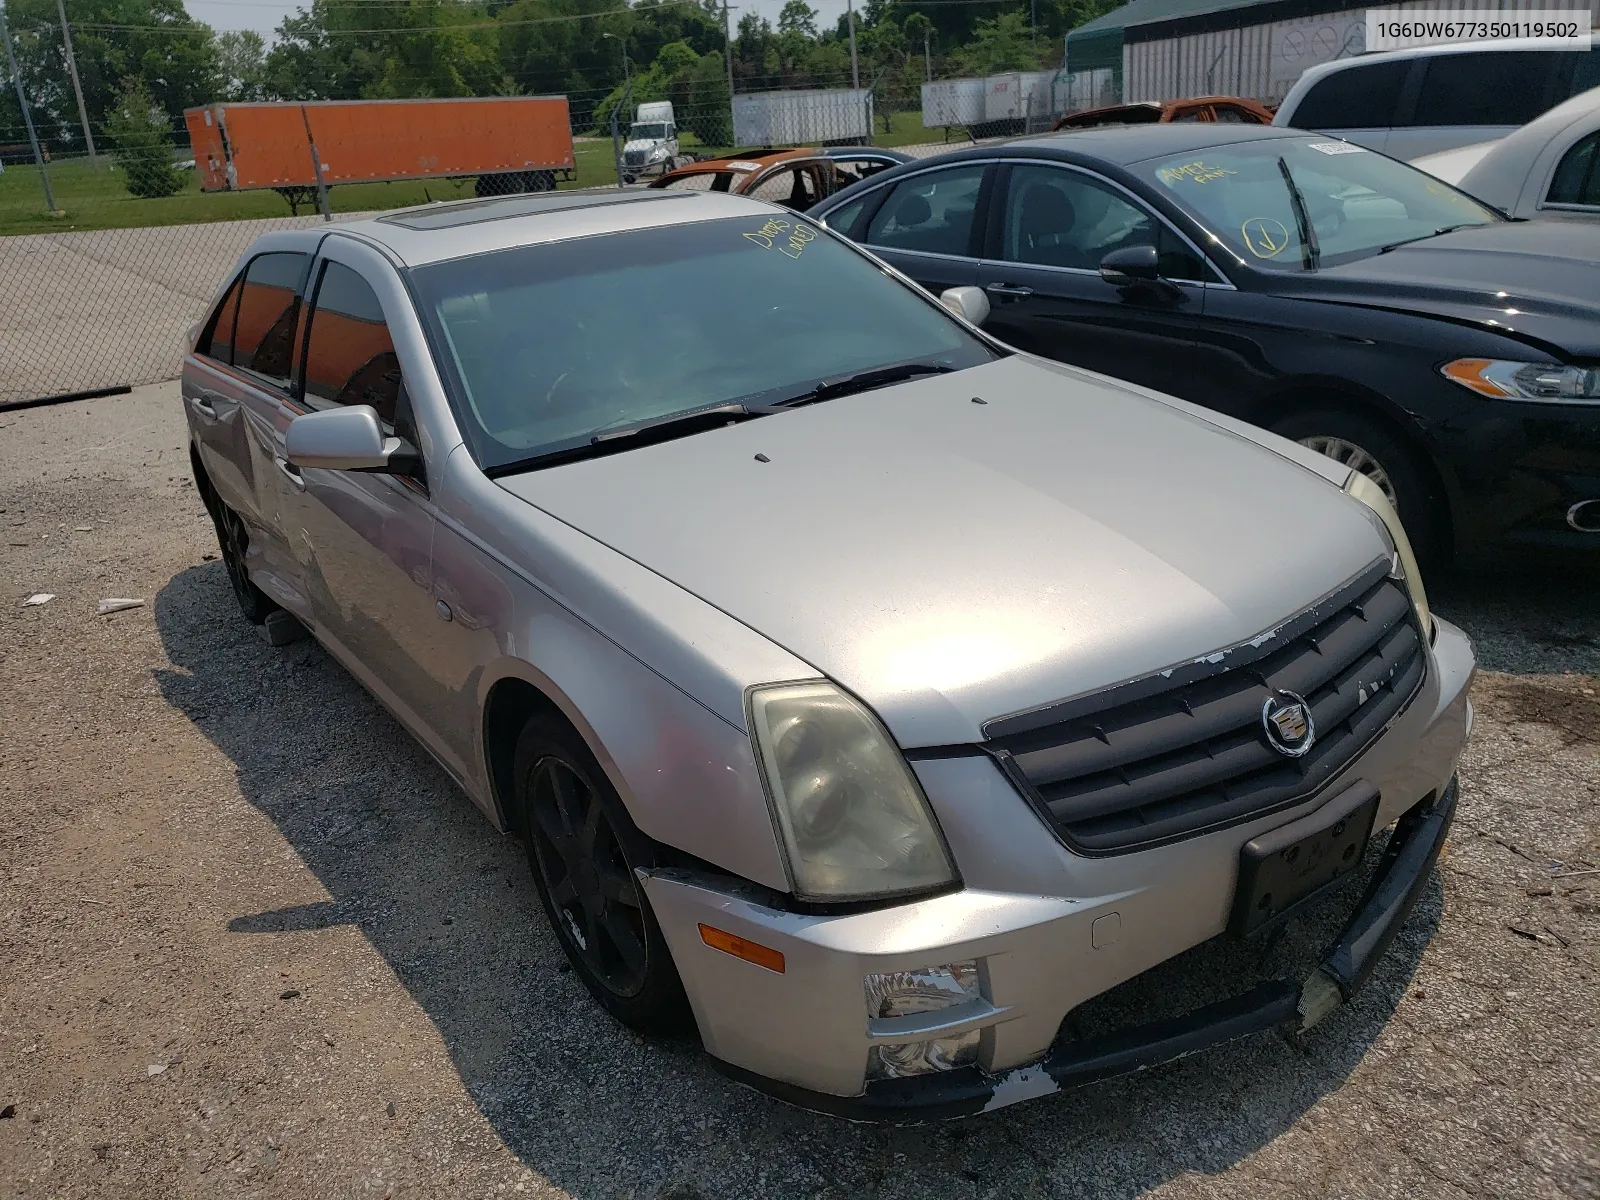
{"points": [[1548, 168], [1408, 103]]}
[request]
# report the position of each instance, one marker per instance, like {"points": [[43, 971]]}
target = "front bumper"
{"points": [[1292, 1005], [1050, 929]]}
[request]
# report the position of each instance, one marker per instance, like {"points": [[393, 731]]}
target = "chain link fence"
{"points": [[98, 295]]}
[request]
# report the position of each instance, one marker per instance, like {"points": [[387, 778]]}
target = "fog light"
{"points": [[923, 1058], [910, 993], [902, 993]]}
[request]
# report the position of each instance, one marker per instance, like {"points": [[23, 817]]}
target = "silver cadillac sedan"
{"points": [[868, 695]]}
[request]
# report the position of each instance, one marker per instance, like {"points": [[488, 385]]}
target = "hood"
{"points": [[644, 144], [950, 562], [1539, 280]]}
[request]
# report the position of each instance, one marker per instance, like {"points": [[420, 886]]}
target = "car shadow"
{"points": [[448, 903]]}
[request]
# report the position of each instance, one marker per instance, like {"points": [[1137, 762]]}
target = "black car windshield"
{"points": [[1357, 202], [545, 346], [651, 133]]}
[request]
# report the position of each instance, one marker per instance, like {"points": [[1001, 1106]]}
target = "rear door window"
{"points": [[350, 356], [217, 340], [269, 307], [929, 213], [1494, 88], [1355, 98], [1577, 178], [793, 187]]}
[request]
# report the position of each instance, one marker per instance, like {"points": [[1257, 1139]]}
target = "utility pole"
{"points": [[927, 54], [27, 117], [727, 37], [855, 75], [72, 69]]}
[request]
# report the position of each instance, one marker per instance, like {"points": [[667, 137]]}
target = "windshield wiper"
{"points": [[1422, 237], [864, 381], [1310, 252], [721, 414], [640, 433]]}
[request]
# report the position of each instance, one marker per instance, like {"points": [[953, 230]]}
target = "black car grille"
{"points": [[633, 158], [1184, 752]]}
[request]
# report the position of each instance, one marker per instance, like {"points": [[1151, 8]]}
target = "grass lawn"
{"points": [[92, 195]]}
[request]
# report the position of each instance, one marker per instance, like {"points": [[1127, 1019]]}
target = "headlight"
{"points": [[1370, 494], [853, 822], [1525, 381]]}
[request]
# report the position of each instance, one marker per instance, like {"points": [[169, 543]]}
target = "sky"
{"points": [[264, 15]]}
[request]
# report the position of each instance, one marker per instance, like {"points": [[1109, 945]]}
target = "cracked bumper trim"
{"points": [[1401, 876]]}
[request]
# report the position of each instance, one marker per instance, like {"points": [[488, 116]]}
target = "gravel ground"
{"points": [[252, 942]]}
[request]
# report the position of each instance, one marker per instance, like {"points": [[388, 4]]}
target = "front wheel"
{"points": [[233, 537], [1365, 445], [583, 849]]}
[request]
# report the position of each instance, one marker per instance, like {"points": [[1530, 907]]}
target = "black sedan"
{"points": [[1302, 283]]}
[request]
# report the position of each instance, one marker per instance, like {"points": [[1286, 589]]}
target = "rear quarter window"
{"points": [[1363, 97], [1577, 178], [1494, 88]]}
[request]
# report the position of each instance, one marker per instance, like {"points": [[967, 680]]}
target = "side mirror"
{"points": [[345, 439], [1131, 264], [968, 303]]}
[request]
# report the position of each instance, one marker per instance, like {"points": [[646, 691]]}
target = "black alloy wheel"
{"points": [[585, 872], [234, 540], [583, 850]]}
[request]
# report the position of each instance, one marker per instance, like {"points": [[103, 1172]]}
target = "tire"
{"points": [[1368, 446], [234, 539], [496, 185], [583, 849], [629, 177], [541, 181]]}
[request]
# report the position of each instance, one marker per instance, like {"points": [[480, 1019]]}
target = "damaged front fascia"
{"points": [[1402, 874]]}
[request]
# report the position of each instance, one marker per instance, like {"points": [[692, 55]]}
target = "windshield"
{"points": [[544, 346], [1356, 202], [647, 133]]}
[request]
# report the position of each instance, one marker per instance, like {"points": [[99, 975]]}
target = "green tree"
{"points": [[154, 41], [1002, 43], [141, 138], [800, 18], [242, 65]]}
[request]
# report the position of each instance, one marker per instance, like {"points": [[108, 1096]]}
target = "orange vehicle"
{"points": [[1149, 112], [795, 178], [511, 144]]}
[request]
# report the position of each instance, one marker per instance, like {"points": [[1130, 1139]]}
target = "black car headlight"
{"points": [[1505, 380]]}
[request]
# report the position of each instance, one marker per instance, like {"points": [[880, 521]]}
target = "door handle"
{"points": [[203, 403], [1008, 289], [291, 473]]}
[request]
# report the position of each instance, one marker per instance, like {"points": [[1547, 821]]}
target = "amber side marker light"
{"points": [[1468, 372], [754, 952]]}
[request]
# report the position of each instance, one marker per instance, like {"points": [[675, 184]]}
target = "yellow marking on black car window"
{"points": [[1197, 171], [1264, 237]]}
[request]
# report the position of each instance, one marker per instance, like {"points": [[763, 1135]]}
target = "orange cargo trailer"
{"points": [[512, 144]]}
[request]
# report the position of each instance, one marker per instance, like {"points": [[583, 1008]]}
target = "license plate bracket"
{"points": [[1286, 867]]}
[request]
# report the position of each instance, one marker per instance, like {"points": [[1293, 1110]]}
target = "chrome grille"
{"points": [[1178, 754], [633, 158]]}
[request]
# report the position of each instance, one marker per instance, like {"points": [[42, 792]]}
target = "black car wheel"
{"points": [[583, 849], [1366, 446], [234, 539]]}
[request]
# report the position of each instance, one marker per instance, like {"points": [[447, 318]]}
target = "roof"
{"points": [[1124, 144], [436, 232], [1141, 12]]}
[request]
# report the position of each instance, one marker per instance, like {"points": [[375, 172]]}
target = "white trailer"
{"points": [[802, 118], [952, 102]]}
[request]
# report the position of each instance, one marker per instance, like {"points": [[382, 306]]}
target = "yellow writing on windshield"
{"points": [[786, 237], [1197, 171], [1264, 237]]}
